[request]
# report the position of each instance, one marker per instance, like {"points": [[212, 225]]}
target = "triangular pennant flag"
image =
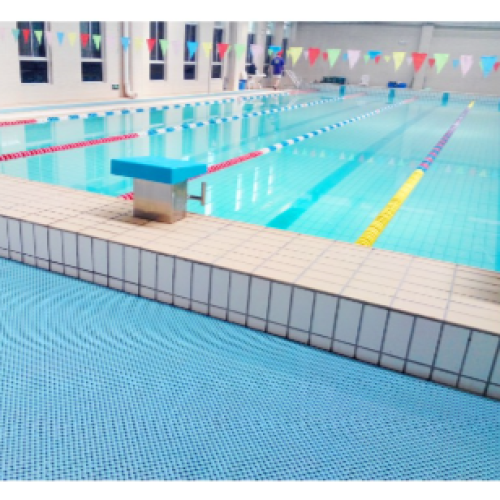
{"points": [[256, 50], [125, 42], [97, 41], [60, 37], [294, 53], [222, 49], [274, 49], [333, 55], [353, 56], [192, 47], [374, 53], [72, 38], [207, 47], [26, 35], [163, 45], [456, 63], [85, 39], [441, 60], [270, 52], [488, 62], [151, 43], [239, 50], [325, 56], [15, 33], [387, 58], [345, 56], [38, 36], [465, 64], [366, 57], [138, 43], [314, 53], [377, 59], [48, 37], [497, 65], [431, 62], [418, 60]]}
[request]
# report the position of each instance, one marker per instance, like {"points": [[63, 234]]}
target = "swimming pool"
{"points": [[331, 186]]}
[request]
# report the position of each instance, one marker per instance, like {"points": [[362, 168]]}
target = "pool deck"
{"points": [[428, 318]]}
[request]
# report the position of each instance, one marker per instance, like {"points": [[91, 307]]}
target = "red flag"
{"points": [[85, 39], [151, 43], [497, 65], [377, 59], [418, 60], [222, 49], [313, 54], [432, 62], [26, 35], [280, 53], [325, 56]]}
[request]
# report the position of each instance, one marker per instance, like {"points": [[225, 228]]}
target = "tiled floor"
{"points": [[468, 297]]}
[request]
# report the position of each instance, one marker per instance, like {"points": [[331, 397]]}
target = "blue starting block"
{"points": [[160, 185]]}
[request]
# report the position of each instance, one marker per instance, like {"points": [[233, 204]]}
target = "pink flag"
{"points": [[465, 64], [256, 50], [48, 37], [353, 56]]}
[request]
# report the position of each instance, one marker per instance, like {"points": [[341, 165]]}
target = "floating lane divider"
{"points": [[129, 111], [280, 145], [375, 229], [160, 131]]}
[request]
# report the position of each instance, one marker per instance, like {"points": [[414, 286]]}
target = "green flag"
{"points": [[441, 60], [97, 41], [38, 35], [163, 46], [333, 55], [366, 58], [239, 49]]}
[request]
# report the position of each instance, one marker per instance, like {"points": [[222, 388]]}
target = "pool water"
{"points": [[332, 185], [102, 385]]}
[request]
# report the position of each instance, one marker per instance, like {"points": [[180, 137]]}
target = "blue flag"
{"points": [[456, 63], [192, 46], [374, 53], [488, 63], [125, 42], [60, 37]]}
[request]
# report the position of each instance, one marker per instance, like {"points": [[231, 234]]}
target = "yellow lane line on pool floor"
{"points": [[375, 229]]}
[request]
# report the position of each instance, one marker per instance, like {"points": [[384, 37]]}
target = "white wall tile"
{"points": [[167, 298], [69, 249], [100, 256], [29, 260], [424, 341], [201, 283], [4, 253], [55, 246], [56, 268], [367, 355], [41, 242], [86, 275], [100, 280], [182, 278], [256, 324], [301, 309], [349, 316], [467, 384], [238, 318], [85, 253], [148, 269], [14, 232], [132, 265], [16, 256], [391, 363], [480, 355], [131, 288], [444, 378], [372, 327], [320, 342], [217, 312], [71, 271], [298, 336], [417, 370], [115, 261], [344, 349], [199, 307], [147, 293], [279, 304], [219, 290], [116, 284], [238, 299], [451, 348], [28, 238], [4, 240], [325, 308], [164, 278], [42, 264], [493, 391], [495, 376], [397, 334], [276, 329], [259, 297]]}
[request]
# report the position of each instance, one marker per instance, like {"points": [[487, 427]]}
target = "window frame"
{"points": [[32, 58], [87, 59], [156, 51], [249, 56], [216, 61], [187, 61]]}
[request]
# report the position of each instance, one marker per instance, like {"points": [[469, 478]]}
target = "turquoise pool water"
{"points": [[332, 185], [102, 385]]}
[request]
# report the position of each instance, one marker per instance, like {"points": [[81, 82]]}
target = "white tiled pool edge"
{"points": [[430, 349]]}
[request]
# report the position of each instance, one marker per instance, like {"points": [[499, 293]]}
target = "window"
{"points": [[33, 63], [216, 60], [156, 58], [249, 59], [269, 42], [91, 51], [190, 61]]}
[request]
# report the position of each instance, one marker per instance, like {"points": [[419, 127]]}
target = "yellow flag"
{"points": [[207, 47], [295, 54], [398, 57], [72, 38], [138, 43]]}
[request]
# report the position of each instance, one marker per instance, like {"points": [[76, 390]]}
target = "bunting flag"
{"points": [[487, 64], [345, 56], [465, 64], [333, 55], [15, 33], [441, 60], [163, 45], [85, 39], [280, 53], [60, 37], [207, 47], [325, 56], [353, 56], [151, 43], [377, 59], [38, 36], [456, 63], [239, 50], [138, 43], [366, 57], [222, 49], [274, 49], [192, 47], [72, 38], [418, 60], [431, 62], [125, 42], [374, 53], [497, 65], [48, 37], [26, 35], [294, 53], [387, 58], [97, 41], [256, 50], [314, 53]]}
